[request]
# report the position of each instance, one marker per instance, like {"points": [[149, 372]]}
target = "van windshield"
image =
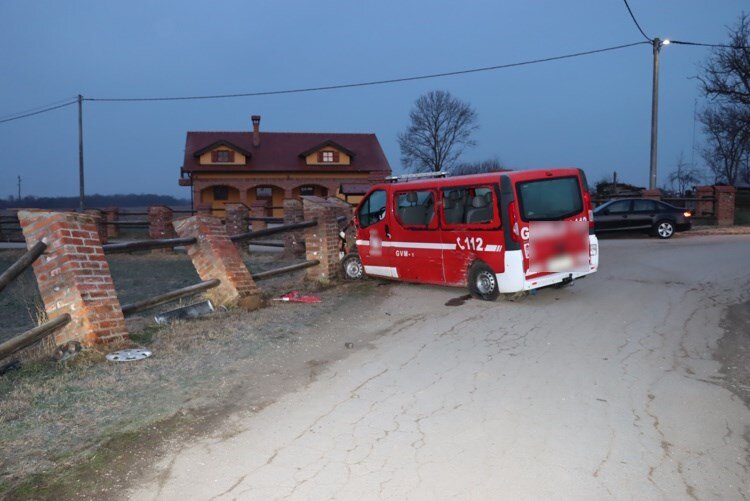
{"points": [[549, 199]]}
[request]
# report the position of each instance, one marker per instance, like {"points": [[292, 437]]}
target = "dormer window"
{"points": [[328, 157], [220, 156]]}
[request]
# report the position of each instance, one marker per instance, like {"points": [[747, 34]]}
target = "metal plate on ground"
{"points": [[129, 355], [184, 312]]}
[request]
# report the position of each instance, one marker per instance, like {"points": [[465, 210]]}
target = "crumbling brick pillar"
{"points": [[704, 208], [111, 216], [160, 226], [294, 243], [101, 228], [260, 208], [73, 276], [724, 204], [214, 255], [321, 241], [236, 218], [346, 211], [652, 194]]}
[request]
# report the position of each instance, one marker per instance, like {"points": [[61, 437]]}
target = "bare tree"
{"points": [[490, 165], [728, 141], [684, 176], [726, 122], [440, 129]]}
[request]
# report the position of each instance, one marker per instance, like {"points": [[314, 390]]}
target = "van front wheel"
{"points": [[483, 282]]}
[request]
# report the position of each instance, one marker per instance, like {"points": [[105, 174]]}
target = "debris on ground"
{"points": [[185, 312], [129, 355], [296, 297]]}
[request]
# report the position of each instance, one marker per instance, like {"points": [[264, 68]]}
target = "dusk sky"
{"points": [[592, 112]]}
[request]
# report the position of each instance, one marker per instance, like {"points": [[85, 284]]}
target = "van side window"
{"points": [[469, 205], [415, 208], [372, 209]]}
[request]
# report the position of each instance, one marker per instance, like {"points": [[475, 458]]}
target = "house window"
{"points": [[307, 190], [328, 156], [222, 156], [221, 192], [264, 192]]}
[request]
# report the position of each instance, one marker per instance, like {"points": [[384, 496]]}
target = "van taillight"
{"points": [[587, 202], [515, 231]]}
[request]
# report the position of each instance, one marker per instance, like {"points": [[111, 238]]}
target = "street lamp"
{"points": [[657, 45]]}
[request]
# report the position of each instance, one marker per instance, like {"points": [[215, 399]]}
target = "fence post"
{"points": [[724, 204], [214, 255], [294, 243], [321, 241], [160, 225], [111, 216], [260, 208], [236, 221], [704, 208], [73, 276], [101, 228]]}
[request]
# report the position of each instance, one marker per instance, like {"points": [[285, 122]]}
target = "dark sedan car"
{"points": [[640, 214]]}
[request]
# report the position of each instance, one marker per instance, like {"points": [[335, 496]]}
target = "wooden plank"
{"points": [[147, 244], [273, 231], [145, 304], [32, 336], [23, 262], [285, 269]]}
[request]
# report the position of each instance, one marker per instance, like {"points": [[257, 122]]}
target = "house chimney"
{"points": [[256, 130]]}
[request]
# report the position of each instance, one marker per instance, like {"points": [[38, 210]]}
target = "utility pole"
{"points": [[80, 153], [19, 187], [657, 43]]}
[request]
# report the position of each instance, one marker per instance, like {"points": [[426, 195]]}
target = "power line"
{"points": [[43, 110], [632, 16], [370, 83], [718, 45]]}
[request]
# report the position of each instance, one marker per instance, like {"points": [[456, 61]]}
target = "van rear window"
{"points": [[549, 199]]}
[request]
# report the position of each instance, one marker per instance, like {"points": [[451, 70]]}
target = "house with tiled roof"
{"points": [[245, 166]]}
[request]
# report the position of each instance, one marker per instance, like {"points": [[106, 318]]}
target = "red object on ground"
{"points": [[295, 297]]}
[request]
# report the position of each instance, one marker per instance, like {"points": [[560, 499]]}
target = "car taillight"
{"points": [[687, 213], [515, 233], [587, 201]]}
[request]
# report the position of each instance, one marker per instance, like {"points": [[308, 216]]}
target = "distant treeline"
{"points": [[98, 201]]}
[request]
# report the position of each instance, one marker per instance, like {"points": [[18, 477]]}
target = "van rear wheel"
{"points": [[483, 282], [352, 267]]}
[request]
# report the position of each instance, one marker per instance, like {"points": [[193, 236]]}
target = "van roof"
{"points": [[492, 177]]}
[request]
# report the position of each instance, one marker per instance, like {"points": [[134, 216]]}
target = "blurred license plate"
{"points": [[560, 263]]}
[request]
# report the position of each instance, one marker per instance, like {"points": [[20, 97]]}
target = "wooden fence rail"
{"points": [[137, 245], [273, 231], [21, 264], [285, 269], [145, 304], [32, 336]]}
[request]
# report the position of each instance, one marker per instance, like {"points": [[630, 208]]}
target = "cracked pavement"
{"points": [[605, 389]]}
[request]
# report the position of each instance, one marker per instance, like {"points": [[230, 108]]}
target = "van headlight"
{"points": [[594, 249]]}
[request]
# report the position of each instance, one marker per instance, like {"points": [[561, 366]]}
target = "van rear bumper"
{"points": [[514, 278]]}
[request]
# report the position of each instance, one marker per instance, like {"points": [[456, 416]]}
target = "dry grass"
{"points": [[54, 415]]}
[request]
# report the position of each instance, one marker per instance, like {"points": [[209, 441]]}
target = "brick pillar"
{"points": [[294, 243], [704, 208], [652, 194], [724, 205], [321, 241], [236, 218], [112, 215], [346, 210], [101, 228], [160, 226], [73, 276], [260, 208], [214, 255]]}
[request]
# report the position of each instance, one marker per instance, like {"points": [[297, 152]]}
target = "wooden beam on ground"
{"points": [[285, 269], [23, 262], [32, 336], [145, 304]]}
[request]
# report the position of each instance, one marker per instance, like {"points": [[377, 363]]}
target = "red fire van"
{"points": [[506, 232]]}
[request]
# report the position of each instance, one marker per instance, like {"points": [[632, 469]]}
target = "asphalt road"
{"points": [[606, 389]]}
